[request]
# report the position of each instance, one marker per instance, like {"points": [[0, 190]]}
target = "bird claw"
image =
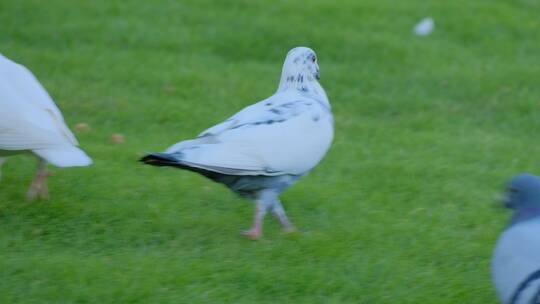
{"points": [[252, 233], [33, 194], [290, 229], [38, 188]]}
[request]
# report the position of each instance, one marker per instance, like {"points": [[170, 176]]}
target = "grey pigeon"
{"points": [[265, 148], [516, 259]]}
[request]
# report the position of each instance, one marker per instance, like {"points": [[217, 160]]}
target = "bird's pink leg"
{"points": [[256, 230], [279, 213], [39, 188]]}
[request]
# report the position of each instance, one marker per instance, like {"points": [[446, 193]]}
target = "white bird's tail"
{"points": [[65, 156]]}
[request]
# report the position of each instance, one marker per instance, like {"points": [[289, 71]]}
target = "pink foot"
{"points": [[39, 188], [252, 233]]}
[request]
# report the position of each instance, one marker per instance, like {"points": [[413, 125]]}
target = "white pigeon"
{"points": [[31, 122], [516, 259], [266, 147]]}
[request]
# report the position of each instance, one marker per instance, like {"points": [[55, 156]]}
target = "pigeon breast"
{"points": [[515, 259]]}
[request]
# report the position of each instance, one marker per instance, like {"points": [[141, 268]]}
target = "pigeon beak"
{"points": [[317, 75]]}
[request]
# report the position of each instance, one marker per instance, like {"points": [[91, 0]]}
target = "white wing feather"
{"points": [[287, 133], [29, 119]]}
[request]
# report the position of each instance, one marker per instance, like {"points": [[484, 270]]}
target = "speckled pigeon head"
{"points": [[523, 191], [301, 65]]}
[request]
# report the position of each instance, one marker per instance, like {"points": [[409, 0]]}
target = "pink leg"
{"points": [[279, 213], [256, 230], [39, 188]]}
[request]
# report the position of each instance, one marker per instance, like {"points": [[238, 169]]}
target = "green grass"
{"points": [[400, 211]]}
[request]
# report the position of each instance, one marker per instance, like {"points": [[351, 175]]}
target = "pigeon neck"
{"points": [[524, 214], [303, 83]]}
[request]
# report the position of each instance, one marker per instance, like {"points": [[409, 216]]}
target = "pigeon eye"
{"points": [[313, 59]]}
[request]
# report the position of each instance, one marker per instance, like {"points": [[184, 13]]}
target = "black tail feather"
{"points": [[166, 160], [246, 186], [160, 159]]}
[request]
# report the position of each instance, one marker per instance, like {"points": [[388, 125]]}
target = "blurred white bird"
{"points": [[31, 122], [516, 259], [263, 149], [424, 27]]}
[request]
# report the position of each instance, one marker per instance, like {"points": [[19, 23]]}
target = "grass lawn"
{"points": [[400, 211]]}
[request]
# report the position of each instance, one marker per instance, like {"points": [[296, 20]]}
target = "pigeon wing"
{"points": [[280, 135], [29, 119]]}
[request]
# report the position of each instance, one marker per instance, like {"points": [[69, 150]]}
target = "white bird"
{"points": [[31, 122], [516, 259], [266, 147], [424, 27]]}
